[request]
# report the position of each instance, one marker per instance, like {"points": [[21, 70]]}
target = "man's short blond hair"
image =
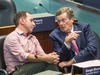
{"points": [[68, 11]]}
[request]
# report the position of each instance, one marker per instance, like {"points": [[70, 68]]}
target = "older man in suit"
{"points": [[68, 32]]}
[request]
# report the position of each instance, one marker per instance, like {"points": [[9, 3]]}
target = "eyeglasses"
{"points": [[63, 21]]}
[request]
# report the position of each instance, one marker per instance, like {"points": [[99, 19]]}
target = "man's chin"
{"points": [[30, 31], [63, 30]]}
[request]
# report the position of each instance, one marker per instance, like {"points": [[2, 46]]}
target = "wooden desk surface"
{"points": [[70, 74], [66, 73]]}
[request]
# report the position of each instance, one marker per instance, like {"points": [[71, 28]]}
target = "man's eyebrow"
{"points": [[32, 19]]}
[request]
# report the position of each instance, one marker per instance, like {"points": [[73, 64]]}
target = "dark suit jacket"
{"points": [[86, 40]]}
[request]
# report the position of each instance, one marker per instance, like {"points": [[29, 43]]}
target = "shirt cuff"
{"points": [[74, 60], [68, 46]]}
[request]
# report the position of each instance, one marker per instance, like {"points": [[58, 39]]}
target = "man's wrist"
{"points": [[72, 61], [68, 46], [67, 41], [42, 58]]}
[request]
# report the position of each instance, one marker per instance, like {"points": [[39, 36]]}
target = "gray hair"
{"points": [[68, 11]]}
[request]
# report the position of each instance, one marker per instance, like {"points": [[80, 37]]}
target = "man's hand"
{"points": [[48, 58], [53, 58], [71, 36], [66, 63]]}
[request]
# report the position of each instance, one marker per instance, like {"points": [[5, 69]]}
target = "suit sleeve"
{"points": [[59, 46], [90, 44]]}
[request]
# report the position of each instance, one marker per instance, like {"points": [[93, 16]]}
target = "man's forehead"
{"points": [[29, 15], [61, 17]]}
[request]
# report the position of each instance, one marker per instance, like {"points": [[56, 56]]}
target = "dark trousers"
{"points": [[32, 68]]}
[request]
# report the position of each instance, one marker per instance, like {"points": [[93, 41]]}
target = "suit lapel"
{"points": [[62, 35]]}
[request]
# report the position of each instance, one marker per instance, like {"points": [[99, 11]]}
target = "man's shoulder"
{"points": [[55, 31], [81, 25], [11, 36]]}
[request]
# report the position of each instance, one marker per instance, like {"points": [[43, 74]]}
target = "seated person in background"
{"points": [[68, 33], [21, 49]]}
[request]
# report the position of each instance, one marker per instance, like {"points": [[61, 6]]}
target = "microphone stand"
{"points": [[91, 53], [43, 7]]}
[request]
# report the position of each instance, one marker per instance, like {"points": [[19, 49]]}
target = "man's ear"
{"points": [[72, 19], [21, 20]]}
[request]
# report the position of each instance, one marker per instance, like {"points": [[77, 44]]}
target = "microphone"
{"points": [[91, 53], [43, 7], [40, 62]]}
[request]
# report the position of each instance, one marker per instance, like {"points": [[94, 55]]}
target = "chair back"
{"points": [[2, 62], [7, 12], [3, 72], [98, 44]]}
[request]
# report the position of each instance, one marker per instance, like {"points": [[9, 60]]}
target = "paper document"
{"points": [[86, 64]]}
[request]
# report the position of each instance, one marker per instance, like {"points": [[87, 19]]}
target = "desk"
{"points": [[93, 3], [70, 74], [66, 73]]}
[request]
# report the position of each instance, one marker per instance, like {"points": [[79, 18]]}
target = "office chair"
{"points": [[98, 48], [3, 72], [98, 44], [2, 62], [7, 11]]}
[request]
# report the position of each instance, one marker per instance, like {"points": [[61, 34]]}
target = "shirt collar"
{"points": [[22, 33], [72, 29], [19, 31]]}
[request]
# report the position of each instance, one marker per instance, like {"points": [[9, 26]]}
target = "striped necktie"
{"points": [[74, 45]]}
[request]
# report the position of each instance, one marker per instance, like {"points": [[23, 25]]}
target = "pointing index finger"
{"points": [[77, 31]]}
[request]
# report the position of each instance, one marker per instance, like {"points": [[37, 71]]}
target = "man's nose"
{"points": [[34, 24], [61, 23]]}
